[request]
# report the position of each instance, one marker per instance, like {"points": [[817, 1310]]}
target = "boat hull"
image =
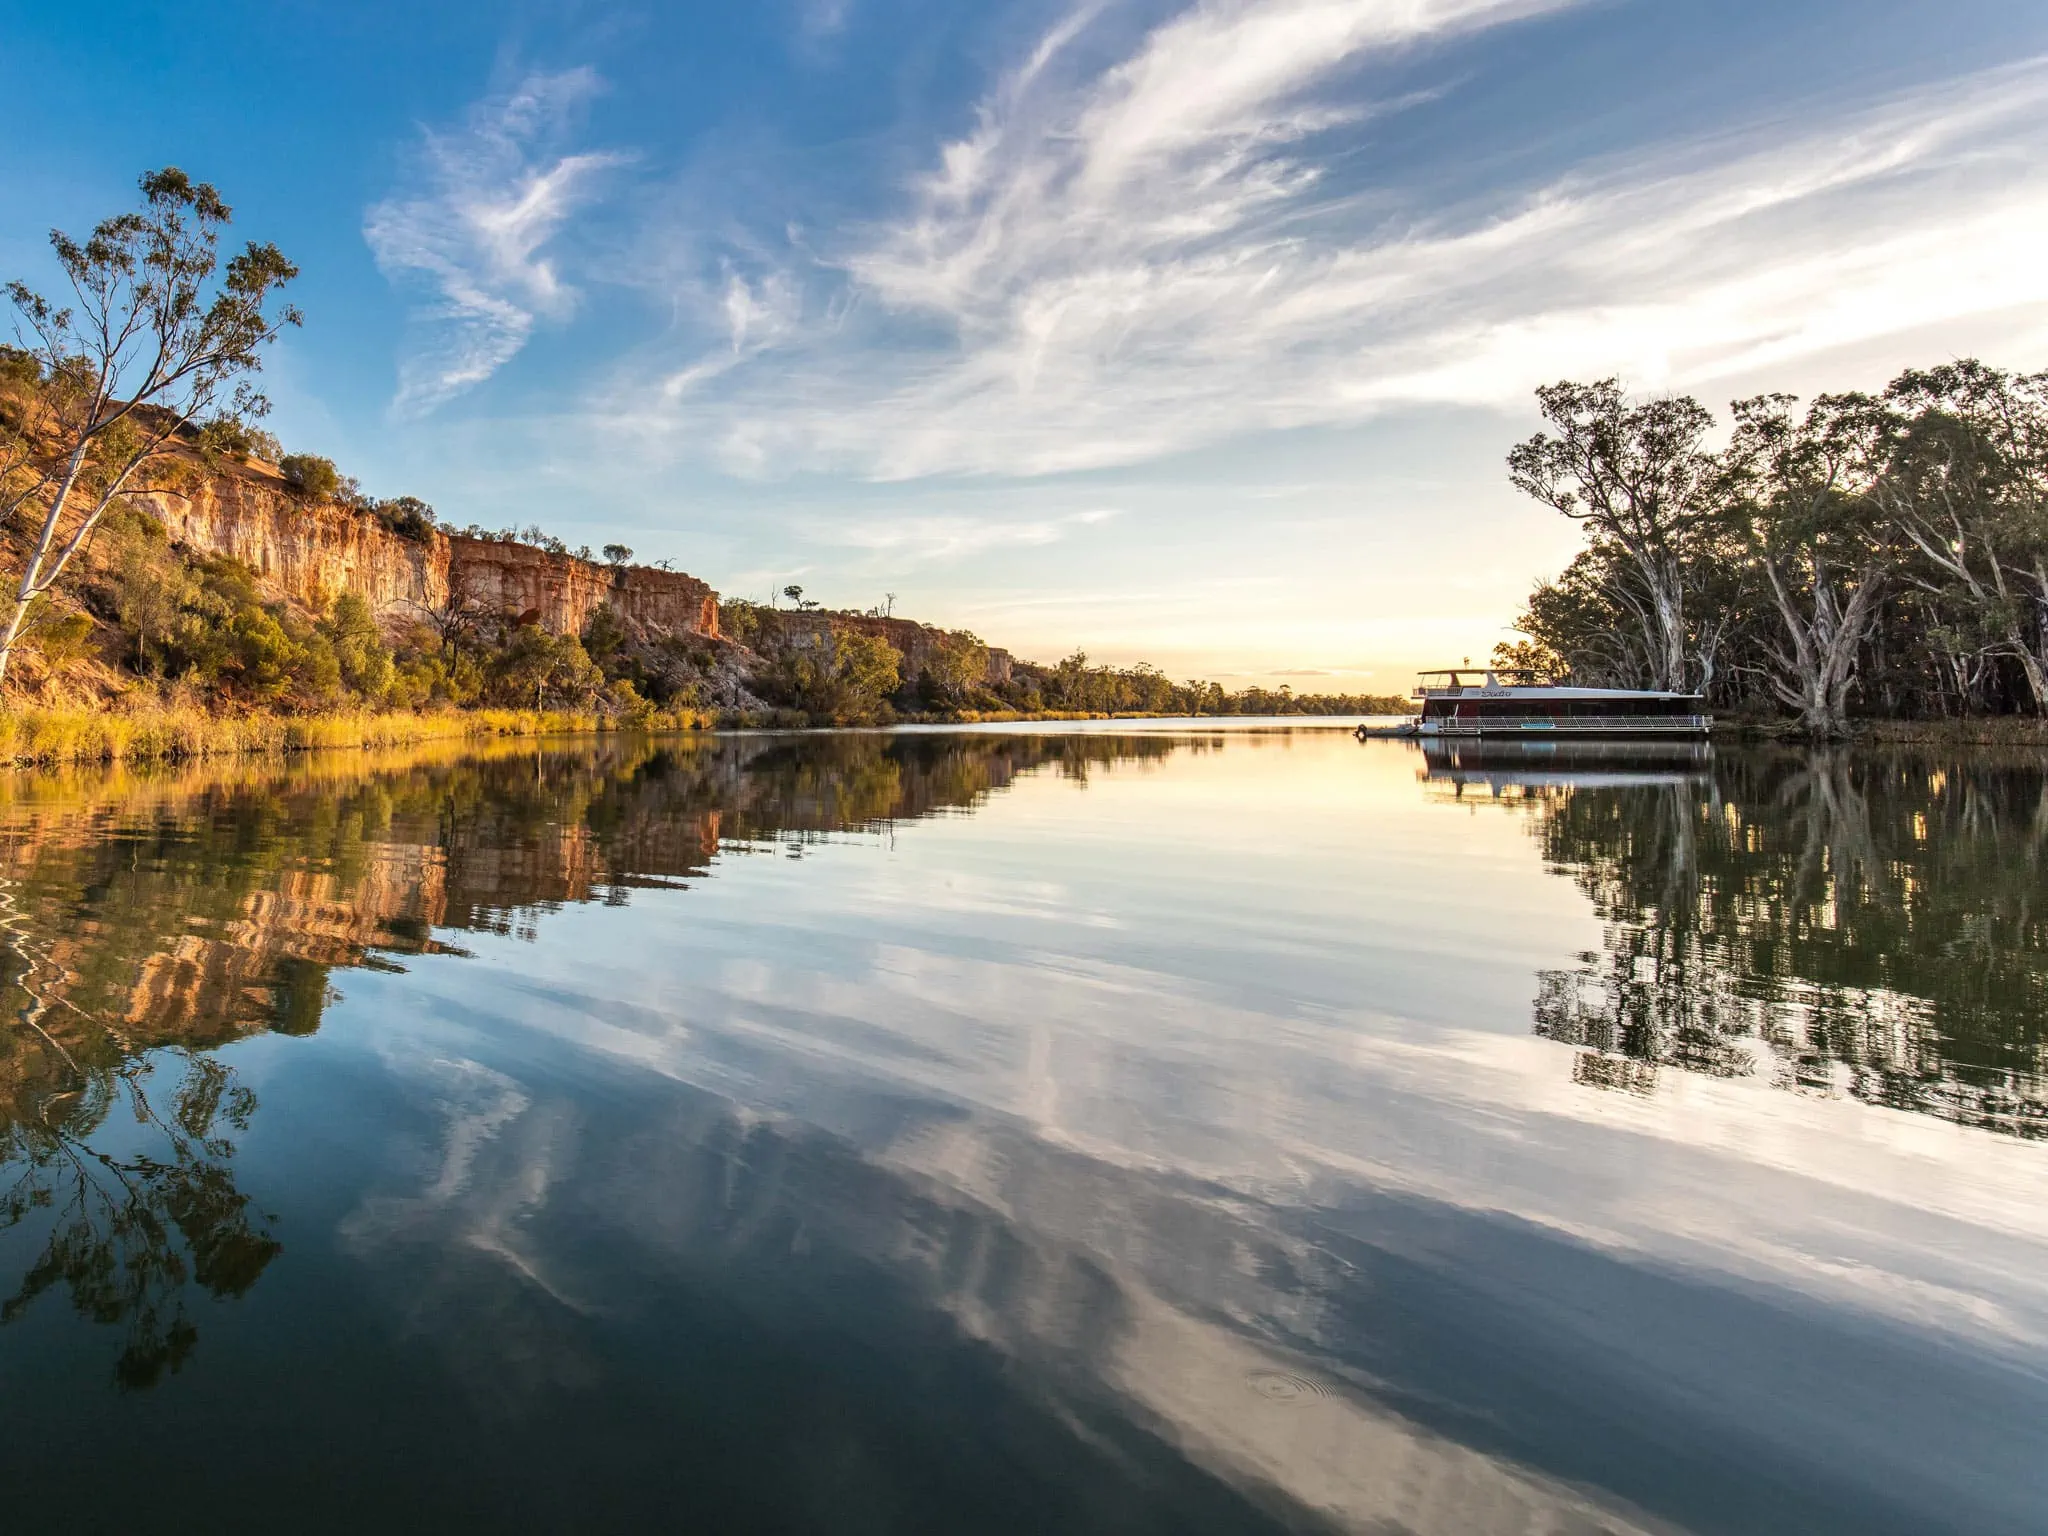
{"points": [[1585, 725], [1683, 727]]}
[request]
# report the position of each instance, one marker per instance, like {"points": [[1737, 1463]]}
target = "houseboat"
{"points": [[1507, 701]]}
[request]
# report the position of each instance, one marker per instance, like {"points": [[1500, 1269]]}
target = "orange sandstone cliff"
{"points": [[563, 592], [312, 552]]}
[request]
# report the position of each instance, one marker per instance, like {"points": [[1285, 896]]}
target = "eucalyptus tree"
{"points": [[1636, 474], [1592, 623], [157, 336], [1798, 486], [1966, 483]]}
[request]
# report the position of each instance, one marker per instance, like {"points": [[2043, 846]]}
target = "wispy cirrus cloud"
{"points": [[916, 540], [473, 229], [756, 314], [1125, 260]]}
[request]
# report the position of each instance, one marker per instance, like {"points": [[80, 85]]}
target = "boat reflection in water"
{"points": [[1510, 769]]}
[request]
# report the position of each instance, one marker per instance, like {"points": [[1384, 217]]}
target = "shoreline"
{"points": [[39, 736], [1986, 731], [44, 737]]}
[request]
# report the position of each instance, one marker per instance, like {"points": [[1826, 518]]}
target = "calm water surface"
{"points": [[1071, 1131]]}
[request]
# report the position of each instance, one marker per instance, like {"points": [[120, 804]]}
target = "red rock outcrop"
{"points": [[307, 552], [562, 592], [312, 552]]}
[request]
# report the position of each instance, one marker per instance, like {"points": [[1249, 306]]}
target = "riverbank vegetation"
{"points": [[54, 737], [1863, 555]]}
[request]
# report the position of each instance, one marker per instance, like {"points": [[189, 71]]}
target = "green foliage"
{"points": [[64, 640], [229, 437], [1075, 687], [19, 370], [953, 671], [606, 635], [617, 554], [361, 656], [310, 476], [843, 677], [407, 516], [204, 623], [740, 621], [207, 623], [537, 670], [1890, 547]]}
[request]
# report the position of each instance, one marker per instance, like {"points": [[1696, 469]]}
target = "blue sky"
{"points": [[1190, 333]]}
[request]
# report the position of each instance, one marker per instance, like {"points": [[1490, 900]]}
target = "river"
{"points": [[1199, 1128]]}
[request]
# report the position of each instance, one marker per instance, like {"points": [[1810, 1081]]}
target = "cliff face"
{"points": [[308, 553], [311, 553], [562, 592]]}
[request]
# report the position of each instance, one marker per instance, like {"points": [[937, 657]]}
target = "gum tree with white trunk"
{"points": [[158, 336], [1800, 488], [1636, 474]]}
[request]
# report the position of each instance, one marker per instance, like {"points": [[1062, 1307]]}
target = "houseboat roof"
{"points": [[1521, 683]]}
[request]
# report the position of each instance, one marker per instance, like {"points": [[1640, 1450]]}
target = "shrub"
{"points": [[150, 588], [227, 437], [311, 476], [739, 620], [606, 635], [362, 658], [19, 369], [537, 670], [408, 517], [845, 678], [64, 640]]}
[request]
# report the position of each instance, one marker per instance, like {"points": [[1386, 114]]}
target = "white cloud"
{"points": [[913, 540], [756, 316], [1151, 257], [474, 230]]}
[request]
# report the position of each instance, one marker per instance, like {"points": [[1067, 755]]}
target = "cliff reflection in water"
{"points": [[151, 918], [1868, 923]]}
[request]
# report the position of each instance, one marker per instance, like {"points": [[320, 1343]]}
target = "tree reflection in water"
{"points": [[146, 920], [1858, 922], [128, 1233]]}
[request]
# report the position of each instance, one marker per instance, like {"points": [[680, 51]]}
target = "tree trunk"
{"points": [[13, 634], [42, 572], [1667, 605], [2037, 676], [26, 594], [1822, 661]]}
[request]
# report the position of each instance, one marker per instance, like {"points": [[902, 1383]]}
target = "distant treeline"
{"points": [[823, 665], [1873, 554], [1075, 685]]}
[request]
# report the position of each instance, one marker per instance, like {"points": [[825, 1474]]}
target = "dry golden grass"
{"points": [[53, 736]]}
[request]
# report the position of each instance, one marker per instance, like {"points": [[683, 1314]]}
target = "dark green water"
{"points": [[1068, 1132]]}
